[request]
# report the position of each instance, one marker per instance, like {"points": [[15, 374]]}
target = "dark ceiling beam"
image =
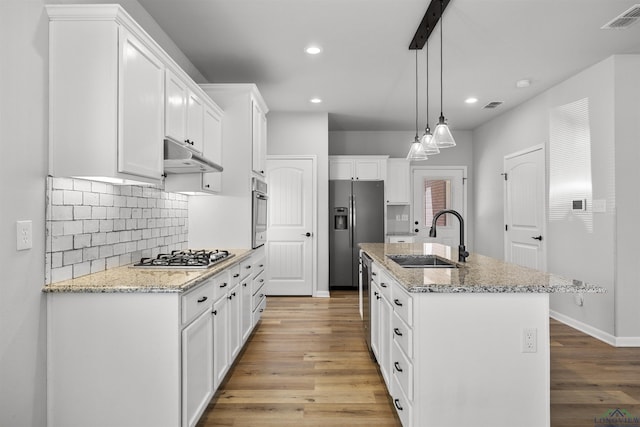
{"points": [[428, 23]]}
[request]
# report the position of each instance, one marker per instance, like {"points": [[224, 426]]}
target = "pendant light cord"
{"points": [[416, 92], [441, 25], [426, 46]]}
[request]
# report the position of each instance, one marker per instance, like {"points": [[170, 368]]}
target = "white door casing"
{"points": [[525, 208], [291, 242], [452, 180]]}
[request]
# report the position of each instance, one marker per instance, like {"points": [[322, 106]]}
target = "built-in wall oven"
{"points": [[259, 213]]}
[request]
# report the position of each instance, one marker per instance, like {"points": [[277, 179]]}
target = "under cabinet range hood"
{"points": [[179, 158]]}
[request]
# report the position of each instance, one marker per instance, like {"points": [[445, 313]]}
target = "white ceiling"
{"points": [[366, 73]]}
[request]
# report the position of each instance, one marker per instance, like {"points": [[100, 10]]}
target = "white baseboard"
{"points": [[595, 332], [322, 294]]}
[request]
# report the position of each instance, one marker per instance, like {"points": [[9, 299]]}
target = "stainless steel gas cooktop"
{"points": [[189, 258]]}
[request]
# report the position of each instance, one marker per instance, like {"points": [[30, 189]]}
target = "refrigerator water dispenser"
{"points": [[340, 218]]}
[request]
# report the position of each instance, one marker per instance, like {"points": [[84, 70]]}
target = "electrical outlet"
{"points": [[24, 237], [529, 340]]}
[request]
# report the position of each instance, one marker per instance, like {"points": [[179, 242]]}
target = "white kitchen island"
{"points": [[463, 346]]}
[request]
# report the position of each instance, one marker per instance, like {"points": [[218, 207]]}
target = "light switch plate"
{"points": [[599, 205], [24, 235]]}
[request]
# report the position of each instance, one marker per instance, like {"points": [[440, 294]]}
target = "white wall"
{"points": [[307, 134], [627, 159], [574, 250], [23, 167]]}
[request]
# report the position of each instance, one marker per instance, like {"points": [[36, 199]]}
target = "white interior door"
{"points": [[435, 190], [290, 231], [524, 208]]}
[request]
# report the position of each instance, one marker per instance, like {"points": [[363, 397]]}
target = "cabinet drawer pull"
{"points": [[261, 295], [261, 265], [236, 275], [397, 366], [261, 280], [397, 302], [397, 332], [224, 285], [396, 403], [214, 312], [384, 285], [248, 267], [374, 274], [261, 310], [203, 299]]}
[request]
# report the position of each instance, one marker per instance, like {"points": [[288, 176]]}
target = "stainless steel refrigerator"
{"points": [[356, 215]]}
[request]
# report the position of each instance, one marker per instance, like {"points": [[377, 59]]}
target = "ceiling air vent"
{"points": [[624, 20], [492, 105]]}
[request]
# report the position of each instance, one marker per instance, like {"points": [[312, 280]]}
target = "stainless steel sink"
{"points": [[422, 261]]}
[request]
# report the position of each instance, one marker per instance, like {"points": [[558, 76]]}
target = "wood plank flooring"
{"points": [[307, 365]]}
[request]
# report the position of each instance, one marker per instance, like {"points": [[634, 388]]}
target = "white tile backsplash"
{"points": [[93, 226]]}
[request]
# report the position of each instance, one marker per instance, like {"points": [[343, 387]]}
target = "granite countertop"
{"points": [[126, 279], [480, 274]]}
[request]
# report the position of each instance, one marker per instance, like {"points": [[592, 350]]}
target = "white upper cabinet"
{"points": [[212, 147], [106, 100], [195, 118], [398, 186], [370, 168], [259, 139], [141, 109], [175, 104]]}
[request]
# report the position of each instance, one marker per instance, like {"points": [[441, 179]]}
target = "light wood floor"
{"points": [[306, 365]]}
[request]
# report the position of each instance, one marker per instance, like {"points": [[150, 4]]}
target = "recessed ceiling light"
{"points": [[315, 100], [313, 50], [471, 100], [523, 83]]}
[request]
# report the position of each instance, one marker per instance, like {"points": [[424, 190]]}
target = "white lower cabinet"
{"points": [[197, 369], [144, 359]]}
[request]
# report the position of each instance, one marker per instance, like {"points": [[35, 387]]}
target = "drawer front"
{"points": [[221, 284], [257, 312], [234, 274], [258, 266], [402, 370], [258, 282], [385, 283], [402, 334], [375, 272], [402, 304], [197, 301], [402, 405], [258, 297], [246, 267]]}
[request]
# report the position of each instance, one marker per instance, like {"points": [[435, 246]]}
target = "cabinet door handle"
{"points": [[397, 366], [396, 403], [261, 265], [374, 274], [224, 285], [261, 280], [397, 302], [261, 295], [397, 332], [244, 284], [214, 312], [384, 285], [203, 299], [248, 267], [236, 275]]}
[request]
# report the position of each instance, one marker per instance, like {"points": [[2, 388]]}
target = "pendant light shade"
{"points": [[441, 134], [416, 151]]}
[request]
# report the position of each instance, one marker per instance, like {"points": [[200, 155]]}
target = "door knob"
{"points": [[306, 234], [538, 238], [417, 230]]}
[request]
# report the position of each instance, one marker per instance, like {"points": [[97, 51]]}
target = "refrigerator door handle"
{"points": [[353, 220], [350, 219]]}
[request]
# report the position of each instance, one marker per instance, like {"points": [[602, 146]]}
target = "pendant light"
{"points": [[428, 144], [416, 152], [441, 134]]}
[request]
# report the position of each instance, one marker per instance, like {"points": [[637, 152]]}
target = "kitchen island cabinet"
{"points": [[458, 338], [132, 347]]}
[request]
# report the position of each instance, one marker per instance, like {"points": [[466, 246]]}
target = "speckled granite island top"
{"points": [[144, 280], [480, 274]]}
